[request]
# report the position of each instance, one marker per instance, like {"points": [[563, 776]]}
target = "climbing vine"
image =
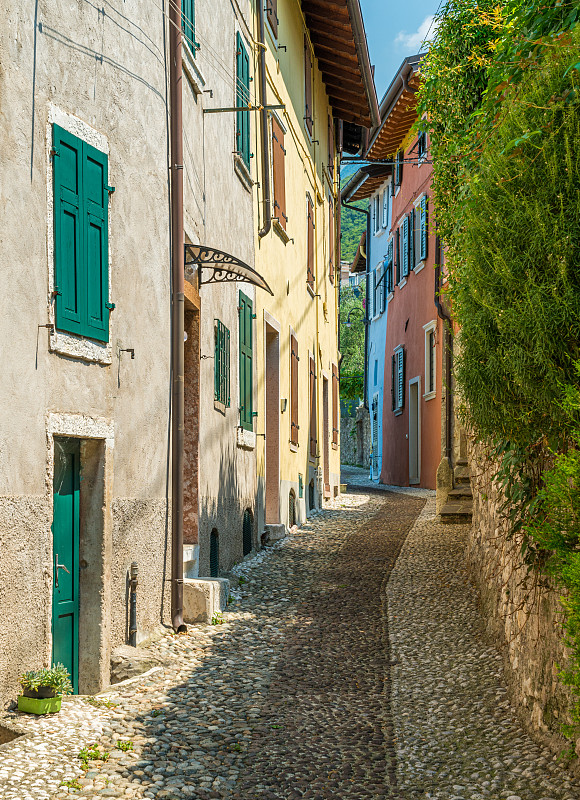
{"points": [[501, 101]]}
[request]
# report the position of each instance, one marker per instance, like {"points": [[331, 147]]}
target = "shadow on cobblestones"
{"points": [[322, 730]]}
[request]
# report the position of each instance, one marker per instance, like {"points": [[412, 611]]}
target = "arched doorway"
{"points": [[247, 526], [291, 509]]}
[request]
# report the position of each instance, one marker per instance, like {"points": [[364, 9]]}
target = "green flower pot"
{"points": [[38, 705]]}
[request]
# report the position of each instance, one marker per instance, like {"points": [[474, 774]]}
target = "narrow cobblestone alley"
{"points": [[349, 666]]}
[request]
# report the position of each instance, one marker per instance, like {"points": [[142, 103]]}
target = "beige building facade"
{"points": [[318, 80]]}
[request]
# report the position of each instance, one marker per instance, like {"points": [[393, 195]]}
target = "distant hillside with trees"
{"points": [[352, 224]]}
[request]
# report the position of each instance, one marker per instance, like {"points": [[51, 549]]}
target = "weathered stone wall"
{"points": [[348, 449], [523, 620]]}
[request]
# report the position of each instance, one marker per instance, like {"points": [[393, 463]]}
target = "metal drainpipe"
{"points": [[448, 359], [264, 126], [367, 288], [133, 604], [177, 316]]}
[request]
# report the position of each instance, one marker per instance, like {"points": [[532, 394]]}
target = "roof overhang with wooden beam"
{"points": [[398, 112], [339, 40], [365, 182]]}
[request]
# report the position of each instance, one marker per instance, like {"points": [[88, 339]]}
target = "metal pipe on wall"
{"points": [[264, 126], [177, 316]]}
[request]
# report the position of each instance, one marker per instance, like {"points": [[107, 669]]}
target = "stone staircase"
{"points": [[458, 508]]}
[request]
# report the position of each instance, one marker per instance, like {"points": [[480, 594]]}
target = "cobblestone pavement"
{"points": [[457, 737], [327, 679]]}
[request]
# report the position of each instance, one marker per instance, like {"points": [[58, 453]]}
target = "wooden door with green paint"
{"points": [[65, 539]]}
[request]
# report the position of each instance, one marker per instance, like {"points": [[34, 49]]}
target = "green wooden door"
{"points": [[65, 538]]}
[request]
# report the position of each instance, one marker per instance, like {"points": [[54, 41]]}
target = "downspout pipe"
{"points": [[448, 358], [267, 200], [366, 319], [177, 317]]}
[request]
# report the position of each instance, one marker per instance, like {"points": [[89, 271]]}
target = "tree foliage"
{"points": [[352, 227], [501, 95], [352, 339]]}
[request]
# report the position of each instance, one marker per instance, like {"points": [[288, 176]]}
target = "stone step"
{"points": [[461, 462], [456, 512], [460, 492], [273, 533], [461, 474]]}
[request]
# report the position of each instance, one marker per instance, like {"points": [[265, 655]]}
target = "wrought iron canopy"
{"points": [[223, 267]]}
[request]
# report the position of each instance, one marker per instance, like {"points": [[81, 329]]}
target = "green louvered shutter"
{"points": [[390, 267], [188, 23], [69, 266], [424, 239], [412, 239], [96, 208], [405, 248], [242, 101], [398, 254], [401, 378], [246, 362], [81, 223], [393, 381]]}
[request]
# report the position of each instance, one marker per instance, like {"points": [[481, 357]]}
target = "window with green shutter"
{"points": [[424, 233], [188, 23], [405, 248], [221, 364], [81, 237], [246, 362], [398, 380], [242, 101]]}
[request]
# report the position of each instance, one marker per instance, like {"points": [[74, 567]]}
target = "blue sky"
{"points": [[395, 29]]}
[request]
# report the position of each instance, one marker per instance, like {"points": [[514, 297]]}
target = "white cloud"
{"points": [[412, 41]]}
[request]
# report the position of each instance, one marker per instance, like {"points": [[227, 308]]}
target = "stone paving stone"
{"points": [[457, 737], [327, 679]]}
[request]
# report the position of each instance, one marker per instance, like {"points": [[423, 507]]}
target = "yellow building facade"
{"points": [[310, 57]]}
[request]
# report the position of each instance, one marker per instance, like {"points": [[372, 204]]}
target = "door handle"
{"points": [[58, 566]]}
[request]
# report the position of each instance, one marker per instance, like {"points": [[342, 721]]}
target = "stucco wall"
{"points": [[219, 213], [523, 623], [100, 73]]}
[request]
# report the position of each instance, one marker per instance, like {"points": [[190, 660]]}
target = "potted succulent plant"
{"points": [[42, 689]]}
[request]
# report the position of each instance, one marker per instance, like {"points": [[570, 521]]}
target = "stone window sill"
{"points": [[280, 231], [429, 395], [293, 447], [242, 172], [219, 406], [67, 344], [245, 439], [192, 71]]}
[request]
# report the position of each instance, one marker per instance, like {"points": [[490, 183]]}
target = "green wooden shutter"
{"points": [[398, 253], [188, 23], [424, 238], [242, 101], [69, 266], [393, 372], [81, 224], [246, 362], [405, 247], [390, 277], [96, 207], [412, 239]]}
